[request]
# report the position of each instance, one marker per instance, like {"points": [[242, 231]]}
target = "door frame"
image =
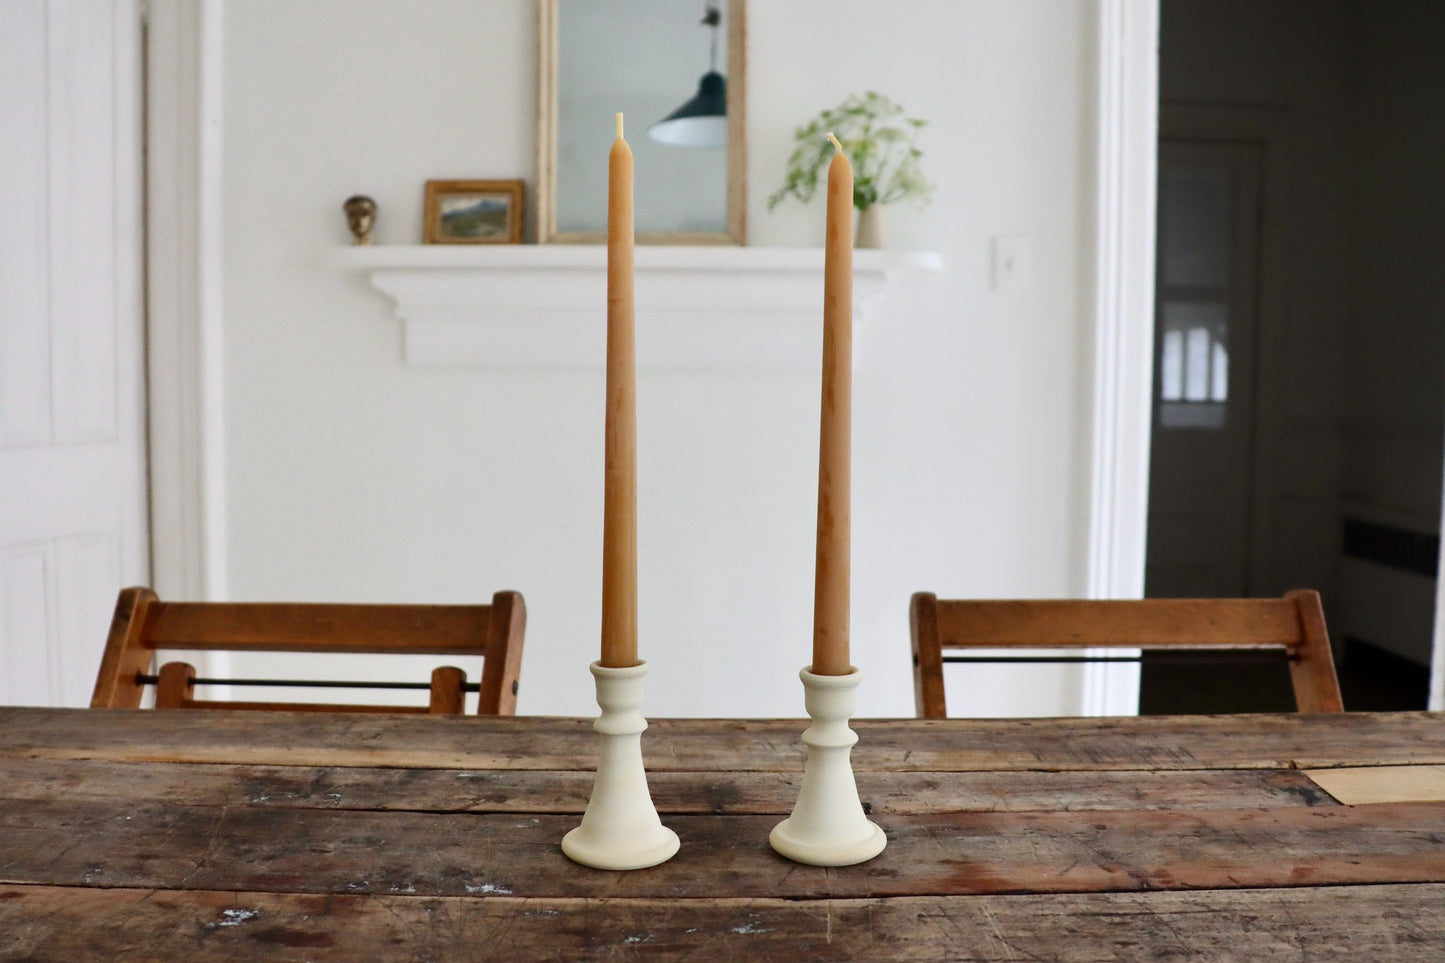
{"points": [[1123, 347], [1437, 653], [184, 307]]}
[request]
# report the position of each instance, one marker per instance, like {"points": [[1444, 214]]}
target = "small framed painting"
{"points": [[473, 212]]}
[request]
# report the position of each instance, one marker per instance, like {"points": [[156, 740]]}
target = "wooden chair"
{"points": [[1294, 623], [143, 623]]}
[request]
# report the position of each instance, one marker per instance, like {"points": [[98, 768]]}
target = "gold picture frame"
{"points": [[473, 212]]}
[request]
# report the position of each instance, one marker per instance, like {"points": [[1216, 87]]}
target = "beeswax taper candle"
{"points": [[830, 589], [619, 517]]}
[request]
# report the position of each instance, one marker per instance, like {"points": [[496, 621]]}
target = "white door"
{"points": [[72, 458], [1206, 294]]}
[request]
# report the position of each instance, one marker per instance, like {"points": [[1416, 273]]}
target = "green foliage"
{"points": [[878, 140]]}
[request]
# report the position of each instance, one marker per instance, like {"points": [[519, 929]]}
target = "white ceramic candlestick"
{"points": [[828, 827], [620, 829]]}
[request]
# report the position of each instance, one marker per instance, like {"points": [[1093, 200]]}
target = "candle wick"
{"points": [[830, 137], [619, 125]]}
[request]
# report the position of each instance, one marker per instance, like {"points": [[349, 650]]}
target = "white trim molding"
{"points": [[536, 306], [1128, 111], [1437, 650], [184, 307]]}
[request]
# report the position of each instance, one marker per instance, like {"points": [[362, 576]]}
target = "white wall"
{"points": [[353, 477]]}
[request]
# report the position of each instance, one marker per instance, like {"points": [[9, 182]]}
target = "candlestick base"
{"points": [[828, 826], [620, 829]]}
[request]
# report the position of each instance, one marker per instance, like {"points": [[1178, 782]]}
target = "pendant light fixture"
{"points": [[701, 121]]}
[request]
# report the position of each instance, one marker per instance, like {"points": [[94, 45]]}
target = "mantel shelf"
{"points": [[717, 308]]}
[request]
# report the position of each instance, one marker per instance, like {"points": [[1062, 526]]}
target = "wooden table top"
{"points": [[248, 836]]}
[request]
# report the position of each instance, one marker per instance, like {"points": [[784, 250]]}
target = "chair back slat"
{"points": [[321, 627], [143, 624], [1082, 623], [1294, 623]]}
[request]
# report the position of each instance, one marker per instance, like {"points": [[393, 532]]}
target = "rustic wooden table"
{"points": [[180, 836]]}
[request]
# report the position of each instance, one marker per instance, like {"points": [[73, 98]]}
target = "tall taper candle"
{"points": [[830, 590], [619, 518]]}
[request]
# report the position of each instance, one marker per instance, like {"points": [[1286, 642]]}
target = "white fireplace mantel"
{"points": [[717, 308]]}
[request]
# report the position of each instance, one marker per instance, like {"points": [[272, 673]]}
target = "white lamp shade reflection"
{"points": [[701, 122]]}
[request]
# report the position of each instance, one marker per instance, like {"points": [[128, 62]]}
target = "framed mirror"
{"points": [[656, 61]]}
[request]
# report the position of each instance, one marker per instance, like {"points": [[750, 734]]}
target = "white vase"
{"points": [[870, 227]]}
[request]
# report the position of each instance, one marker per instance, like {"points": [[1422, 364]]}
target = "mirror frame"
{"points": [[546, 201]]}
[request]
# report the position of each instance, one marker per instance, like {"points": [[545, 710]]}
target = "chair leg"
{"points": [[1316, 686], [502, 666], [173, 690], [447, 691], [125, 654], [928, 693]]}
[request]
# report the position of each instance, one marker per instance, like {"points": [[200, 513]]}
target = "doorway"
{"points": [[1341, 464]]}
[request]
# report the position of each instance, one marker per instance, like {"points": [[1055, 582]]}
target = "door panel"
{"points": [[72, 497], [24, 322], [26, 601]]}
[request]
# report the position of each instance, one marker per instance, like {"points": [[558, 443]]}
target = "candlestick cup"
{"points": [[828, 826], [620, 829]]}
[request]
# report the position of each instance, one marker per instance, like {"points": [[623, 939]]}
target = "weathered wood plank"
{"points": [[1289, 741], [1398, 923], [305, 850], [530, 791]]}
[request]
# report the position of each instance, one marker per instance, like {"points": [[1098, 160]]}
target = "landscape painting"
{"points": [[474, 212]]}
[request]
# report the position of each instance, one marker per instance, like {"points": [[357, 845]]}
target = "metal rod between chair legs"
{"points": [[143, 679]]}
